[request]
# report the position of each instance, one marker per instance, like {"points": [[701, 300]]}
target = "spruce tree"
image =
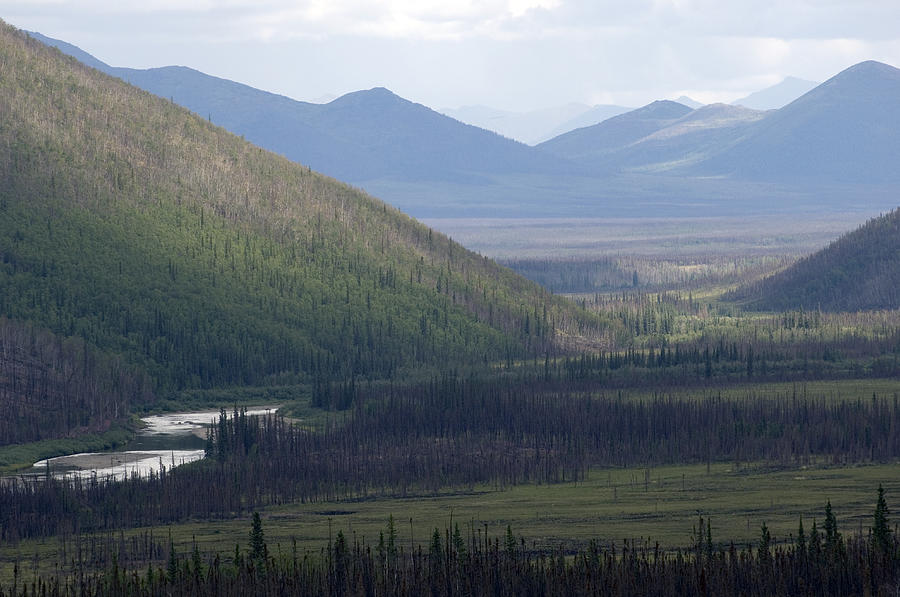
{"points": [[881, 529], [833, 540], [258, 550], [765, 541]]}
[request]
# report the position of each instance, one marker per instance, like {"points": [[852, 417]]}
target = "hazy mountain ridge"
{"points": [[835, 146], [689, 139], [594, 142], [363, 135], [845, 130], [859, 271], [778, 95]]}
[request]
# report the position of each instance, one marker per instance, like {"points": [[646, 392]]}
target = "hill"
{"points": [[843, 131], [164, 240], [776, 96], [688, 139], [364, 135], [859, 271], [659, 137], [591, 144]]}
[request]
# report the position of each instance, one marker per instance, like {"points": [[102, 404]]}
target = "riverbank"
{"points": [[19, 457], [168, 440]]}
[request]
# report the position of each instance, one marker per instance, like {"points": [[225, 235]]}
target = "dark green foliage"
{"points": [[815, 542], [436, 549], [510, 542], [856, 272], [425, 438], [56, 387], [882, 537], [764, 554], [259, 551], [492, 568], [172, 565], [834, 542]]}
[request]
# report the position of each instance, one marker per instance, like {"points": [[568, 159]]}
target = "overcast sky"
{"points": [[509, 54]]}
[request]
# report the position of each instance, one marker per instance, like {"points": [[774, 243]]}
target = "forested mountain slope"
{"points": [[155, 235], [52, 386], [860, 270]]}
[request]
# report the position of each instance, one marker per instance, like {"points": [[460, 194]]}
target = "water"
{"points": [[166, 440]]}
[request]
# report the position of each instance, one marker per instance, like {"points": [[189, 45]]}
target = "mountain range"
{"points": [[835, 147], [361, 136]]}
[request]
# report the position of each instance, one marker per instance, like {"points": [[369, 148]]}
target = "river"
{"points": [[164, 440]]}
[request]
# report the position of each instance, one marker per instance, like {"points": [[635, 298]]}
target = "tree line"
{"points": [[454, 433], [820, 563], [55, 387]]}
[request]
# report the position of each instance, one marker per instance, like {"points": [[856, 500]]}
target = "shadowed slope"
{"points": [[859, 271]]}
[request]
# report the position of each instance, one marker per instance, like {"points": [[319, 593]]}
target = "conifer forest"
{"points": [[439, 424]]}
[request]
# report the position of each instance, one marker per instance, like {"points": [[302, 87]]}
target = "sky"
{"points": [[514, 55]]}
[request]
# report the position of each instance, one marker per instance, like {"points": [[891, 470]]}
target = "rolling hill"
{"points": [[163, 240], [590, 145], [687, 140], [859, 271]]}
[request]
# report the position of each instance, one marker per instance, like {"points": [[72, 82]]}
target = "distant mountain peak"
{"points": [[661, 109], [778, 95], [374, 92], [870, 70], [689, 102], [871, 66]]}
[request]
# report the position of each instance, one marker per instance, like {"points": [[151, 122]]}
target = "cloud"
{"points": [[519, 54], [403, 19]]}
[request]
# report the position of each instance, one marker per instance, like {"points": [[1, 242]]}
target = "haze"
{"points": [[508, 54]]}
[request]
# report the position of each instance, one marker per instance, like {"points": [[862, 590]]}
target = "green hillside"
{"points": [[166, 241], [859, 271]]}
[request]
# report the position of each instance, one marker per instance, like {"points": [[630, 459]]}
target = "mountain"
{"points": [[836, 146], [590, 117], [688, 139], [776, 96], [689, 102], [593, 143], [859, 271], [153, 236], [530, 127], [362, 136], [845, 131]]}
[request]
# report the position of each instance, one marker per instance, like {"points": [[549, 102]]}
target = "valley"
{"points": [[636, 357]]}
